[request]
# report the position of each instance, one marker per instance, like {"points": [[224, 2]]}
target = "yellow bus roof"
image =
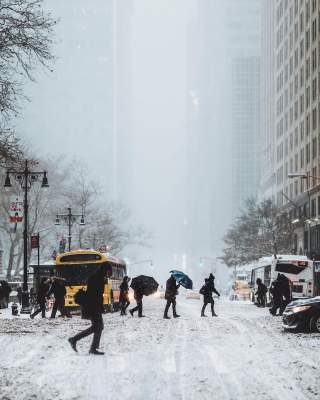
{"points": [[101, 257]]}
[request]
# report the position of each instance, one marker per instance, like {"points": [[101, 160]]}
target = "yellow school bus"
{"points": [[77, 266]]}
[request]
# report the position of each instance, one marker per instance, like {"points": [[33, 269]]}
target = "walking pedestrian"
{"points": [[124, 295], [41, 298], [207, 290], [6, 290], [138, 295], [170, 295], [285, 285], [261, 293], [59, 291], [93, 309]]}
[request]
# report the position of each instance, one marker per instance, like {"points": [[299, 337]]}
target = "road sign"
{"points": [[16, 209]]}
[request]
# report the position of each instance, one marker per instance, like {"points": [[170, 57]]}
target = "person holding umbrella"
{"points": [[142, 286], [170, 296]]}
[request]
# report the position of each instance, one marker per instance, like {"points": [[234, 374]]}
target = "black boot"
{"points": [[96, 352], [166, 316]]}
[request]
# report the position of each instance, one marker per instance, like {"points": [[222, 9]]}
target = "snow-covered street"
{"points": [[242, 354]]}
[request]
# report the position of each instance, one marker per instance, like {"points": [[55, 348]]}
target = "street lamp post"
{"points": [[70, 219], [26, 178]]}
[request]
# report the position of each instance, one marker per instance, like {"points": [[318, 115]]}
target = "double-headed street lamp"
{"points": [[26, 178], [70, 218]]}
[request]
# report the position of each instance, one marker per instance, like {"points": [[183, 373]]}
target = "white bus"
{"points": [[298, 269]]}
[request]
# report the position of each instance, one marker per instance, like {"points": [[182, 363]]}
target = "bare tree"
{"points": [[25, 41], [262, 229]]}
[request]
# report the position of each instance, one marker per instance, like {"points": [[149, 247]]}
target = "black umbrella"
{"points": [[144, 284]]}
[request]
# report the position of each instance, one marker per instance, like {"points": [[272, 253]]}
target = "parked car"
{"points": [[303, 315]]}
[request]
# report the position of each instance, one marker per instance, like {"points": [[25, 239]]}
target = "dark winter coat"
{"points": [[58, 290], [124, 292], [262, 289], [276, 292], [138, 296], [6, 289], [207, 290], [95, 289], [171, 289], [42, 292]]}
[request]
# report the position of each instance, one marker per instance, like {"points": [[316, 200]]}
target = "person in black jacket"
{"points": [[261, 293], [41, 298], [277, 297], [6, 289], [170, 296], [207, 290], [59, 291], [138, 296], [93, 309], [124, 295]]}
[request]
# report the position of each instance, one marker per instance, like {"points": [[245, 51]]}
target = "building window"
{"points": [[301, 159], [314, 148], [314, 89], [308, 125], [308, 153], [313, 208], [314, 119], [307, 96], [301, 131]]}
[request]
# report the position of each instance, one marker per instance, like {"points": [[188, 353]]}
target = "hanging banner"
{"points": [[34, 241], [16, 209]]}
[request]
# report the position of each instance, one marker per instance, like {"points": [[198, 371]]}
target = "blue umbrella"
{"points": [[182, 279]]}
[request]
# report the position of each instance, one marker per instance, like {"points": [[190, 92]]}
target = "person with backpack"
{"points": [[41, 298], [170, 296], [92, 307], [261, 293], [124, 295], [207, 290]]}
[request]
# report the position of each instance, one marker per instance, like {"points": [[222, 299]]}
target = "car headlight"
{"points": [[298, 309]]}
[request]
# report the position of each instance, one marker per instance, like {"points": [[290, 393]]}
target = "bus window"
{"points": [[290, 268], [267, 275]]}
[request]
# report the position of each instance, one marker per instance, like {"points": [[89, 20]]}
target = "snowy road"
{"points": [[242, 354]]}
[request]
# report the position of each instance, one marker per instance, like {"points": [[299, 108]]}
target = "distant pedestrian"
{"points": [[138, 296], [59, 291], [41, 298], [19, 294], [207, 290], [261, 293], [2, 297], [286, 292], [170, 296], [93, 309], [6, 290], [124, 295], [277, 297]]}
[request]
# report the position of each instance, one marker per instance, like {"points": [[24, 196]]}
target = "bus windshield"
{"points": [[288, 267], [76, 274]]}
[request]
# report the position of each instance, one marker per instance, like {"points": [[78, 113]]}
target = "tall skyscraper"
{"points": [[291, 36], [243, 42]]}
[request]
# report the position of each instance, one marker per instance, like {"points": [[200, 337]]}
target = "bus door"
{"points": [[316, 282]]}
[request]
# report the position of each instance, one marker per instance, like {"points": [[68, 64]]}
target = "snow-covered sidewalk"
{"points": [[242, 354]]}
